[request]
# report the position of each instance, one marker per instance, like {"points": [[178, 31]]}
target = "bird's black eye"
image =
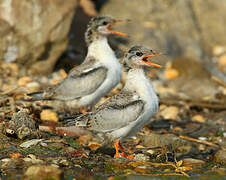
{"points": [[105, 23], [139, 54]]}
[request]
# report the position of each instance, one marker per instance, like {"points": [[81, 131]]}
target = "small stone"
{"points": [[198, 118], [64, 162], [150, 151], [31, 142], [84, 139], [203, 138], [6, 160], [24, 80], [193, 162], [171, 73], [170, 112], [162, 140], [32, 158], [201, 147], [141, 157], [139, 147], [218, 50], [33, 86], [221, 171], [63, 73], [7, 164], [220, 156], [222, 60], [43, 172], [49, 115], [22, 125]]}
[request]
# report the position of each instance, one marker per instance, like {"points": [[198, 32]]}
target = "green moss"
{"points": [[72, 142]]}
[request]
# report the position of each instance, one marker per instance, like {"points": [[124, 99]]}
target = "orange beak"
{"points": [[115, 32], [144, 59]]}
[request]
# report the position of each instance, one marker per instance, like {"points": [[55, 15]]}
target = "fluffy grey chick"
{"points": [[94, 78]]}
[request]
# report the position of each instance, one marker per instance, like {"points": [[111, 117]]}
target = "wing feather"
{"points": [[81, 81], [119, 111]]}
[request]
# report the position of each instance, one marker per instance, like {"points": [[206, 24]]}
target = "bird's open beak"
{"points": [[115, 32], [145, 60]]}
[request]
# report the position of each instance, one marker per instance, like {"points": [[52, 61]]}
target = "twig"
{"points": [[182, 102], [198, 141]]}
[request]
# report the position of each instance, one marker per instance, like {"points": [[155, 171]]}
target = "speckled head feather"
{"points": [[97, 28], [134, 58]]}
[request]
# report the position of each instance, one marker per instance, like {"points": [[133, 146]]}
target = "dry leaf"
{"points": [[94, 146], [15, 155]]}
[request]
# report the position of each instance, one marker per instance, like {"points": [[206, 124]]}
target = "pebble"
{"points": [[43, 172], [222, 60], [49, 115], [198, 118], [141, 157], [32, 158], [33, 86], [218, 50], [162, 140], [193, 162], [171, 73], [220, 156], [29, 143], [170, 112], [201, 147], [202, 138], [24, 80], [150, 151]]}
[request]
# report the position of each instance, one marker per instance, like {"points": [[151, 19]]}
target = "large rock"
{"points": [[34, 33], [184, 28]]}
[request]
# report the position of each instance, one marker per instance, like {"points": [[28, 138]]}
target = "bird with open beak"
{"points": [[124, 114], [94, 78]]}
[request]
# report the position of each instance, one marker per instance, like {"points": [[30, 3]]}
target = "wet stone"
{"points": [[141, 157], [43, 172], [158, 140], [220, 156], [21, 125]]}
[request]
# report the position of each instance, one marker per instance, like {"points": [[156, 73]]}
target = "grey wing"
{"points": [[81, 81], [116, 113]]}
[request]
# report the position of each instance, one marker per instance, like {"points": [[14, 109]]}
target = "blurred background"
{"points": [[43, 36]]}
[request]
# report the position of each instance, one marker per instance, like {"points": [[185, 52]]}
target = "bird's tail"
{"points": [[35, 96]]}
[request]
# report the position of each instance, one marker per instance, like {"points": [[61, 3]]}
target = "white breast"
{"points": [[141, 86], [105, 55]]}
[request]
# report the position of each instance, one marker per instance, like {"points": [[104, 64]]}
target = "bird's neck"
{"points": [[100, 49], [91, 36], [137, 80]]}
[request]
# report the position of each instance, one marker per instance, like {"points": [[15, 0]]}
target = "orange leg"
{"points": [[117, 155], [123, 154], [83, 111]]}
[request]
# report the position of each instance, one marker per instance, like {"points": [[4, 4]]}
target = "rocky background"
{"points": [[42, 40]]}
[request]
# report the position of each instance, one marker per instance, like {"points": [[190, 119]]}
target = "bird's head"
{"points": [[139, 57], [101, 26]]}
